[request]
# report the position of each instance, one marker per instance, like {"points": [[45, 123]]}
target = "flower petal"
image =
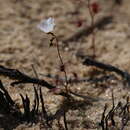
{"points": [[47, 25]]}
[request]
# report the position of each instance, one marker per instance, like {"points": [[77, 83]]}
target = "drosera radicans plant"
{"points": [[47, 26], [93, 10]]}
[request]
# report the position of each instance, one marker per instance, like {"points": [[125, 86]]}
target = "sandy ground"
{"points": [[22, 44]]}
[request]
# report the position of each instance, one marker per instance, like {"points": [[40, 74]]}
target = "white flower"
{"points": [[47, 25]]}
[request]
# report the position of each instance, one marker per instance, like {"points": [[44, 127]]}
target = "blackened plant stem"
{"points": [[107, 67], [20, 77], [65, 122]]}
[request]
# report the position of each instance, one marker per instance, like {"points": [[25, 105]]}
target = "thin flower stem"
{"points": [[92, 24], [61, 60], [60, 57]]}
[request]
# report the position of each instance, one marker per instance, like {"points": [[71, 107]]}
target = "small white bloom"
{"points": [[47, 25]]}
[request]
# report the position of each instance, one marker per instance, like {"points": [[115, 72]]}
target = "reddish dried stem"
{"points": [[92, 24], [61, 60]]}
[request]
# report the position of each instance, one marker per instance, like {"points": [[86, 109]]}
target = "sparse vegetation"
{"points": [[62, 77]]}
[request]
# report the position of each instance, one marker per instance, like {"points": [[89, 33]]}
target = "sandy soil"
{"points": [[22, 44]]}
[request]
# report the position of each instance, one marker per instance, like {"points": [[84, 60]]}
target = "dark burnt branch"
{"points": [[30, 115], [120, 110], [45, 115], [44, 112], [111, 113], [34, 111], [125, 114], [102, 123], [5, 92], [23, 78], [107, 67], [65, 121], [7, 105], [88, 30], [36, 99], [109, 116], [4, 105], [26, 106]]}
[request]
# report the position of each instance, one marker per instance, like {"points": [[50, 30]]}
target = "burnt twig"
{"points": [[26, 106], [102, 123], [35, 107], [8, 98], [44, 112], [7, 105], [65, 121], [23, 78], [125, 114], [107, 67]]}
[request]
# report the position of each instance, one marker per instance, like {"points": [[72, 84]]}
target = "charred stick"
{"points": [[37, 99], [4, 105], [102, 123], [26, 106], [23, 78], [8, 98], [44, 112], [107, 67], [45, 115], [65, 121]]}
